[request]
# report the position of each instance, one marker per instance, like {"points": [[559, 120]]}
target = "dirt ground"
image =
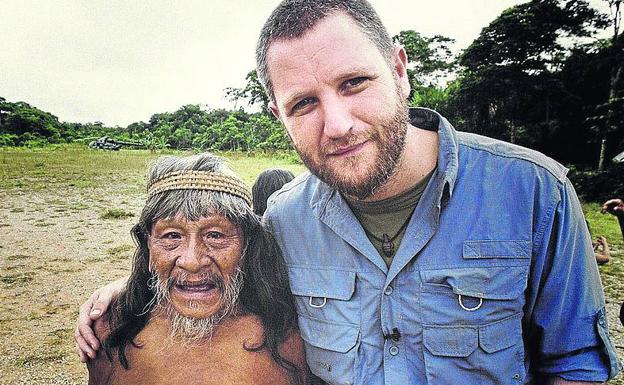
{"points": [[56, 247], [55, 251]]}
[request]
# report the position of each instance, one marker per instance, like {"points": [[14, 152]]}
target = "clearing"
{"points": [[65, 224]]}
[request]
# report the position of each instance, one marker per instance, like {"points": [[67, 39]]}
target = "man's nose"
{"points": [[337, 117], [194, 257]]}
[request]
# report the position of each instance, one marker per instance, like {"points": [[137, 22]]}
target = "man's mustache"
{"points": [[204, 278], [347, 141]]}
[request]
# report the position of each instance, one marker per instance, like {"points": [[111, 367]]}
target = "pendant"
{"points": [[387, 246]]}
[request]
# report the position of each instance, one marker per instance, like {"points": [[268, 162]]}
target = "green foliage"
{"points": [[529, 36], [8, 140], [430, 97], [27, 124], [598, 186], [116, 214], [522, 79], [430, 62], [253, 92], [191, 126], [430, 58], [607, 117], [215, 130]]}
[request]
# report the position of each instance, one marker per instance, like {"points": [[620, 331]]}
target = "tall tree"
{"points": [[513, 63], [253, 92], [609, 115], [430, 58]]}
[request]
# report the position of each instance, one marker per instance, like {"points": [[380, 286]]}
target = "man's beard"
{"points": [[189, 329], [389, 135]]}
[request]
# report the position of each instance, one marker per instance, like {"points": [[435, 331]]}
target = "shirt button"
{"points": [[388, 290], [394, 350]]}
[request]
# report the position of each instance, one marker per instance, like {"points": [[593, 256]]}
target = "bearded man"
{"points": [[208, 299], [417, 254]]}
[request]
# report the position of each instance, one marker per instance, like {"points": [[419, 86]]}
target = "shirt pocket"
{"points": [[485, 354], [329, 319], [472, 315], [331, 349], [325, 294], [487, 287]]}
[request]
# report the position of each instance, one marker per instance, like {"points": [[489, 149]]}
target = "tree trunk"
{"points": [[616, 75], [603, 149], [512, 132]]}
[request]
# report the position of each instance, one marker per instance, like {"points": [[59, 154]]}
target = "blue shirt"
{"points": [[494, 282]]}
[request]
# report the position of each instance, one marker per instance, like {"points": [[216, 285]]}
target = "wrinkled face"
{"points": [[342, 103], [197, 260]]}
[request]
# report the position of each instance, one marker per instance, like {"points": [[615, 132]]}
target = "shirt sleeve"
{"points": [[566, 324]]}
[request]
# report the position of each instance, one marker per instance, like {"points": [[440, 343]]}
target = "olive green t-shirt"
{"points": [[387, 219]]}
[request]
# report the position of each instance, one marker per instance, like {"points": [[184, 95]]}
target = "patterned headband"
{"points": [[200, 180]]}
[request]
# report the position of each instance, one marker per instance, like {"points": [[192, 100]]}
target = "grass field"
{"points": [[65, 219]]}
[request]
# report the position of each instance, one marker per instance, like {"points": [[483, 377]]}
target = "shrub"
{"points": [[8, 140], [116, 214], [598, 186]]}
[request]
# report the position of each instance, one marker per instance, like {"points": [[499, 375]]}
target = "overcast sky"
{"points": [[119, 62]]}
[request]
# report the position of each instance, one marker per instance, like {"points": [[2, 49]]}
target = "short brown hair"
{"points": [[293, 18]]}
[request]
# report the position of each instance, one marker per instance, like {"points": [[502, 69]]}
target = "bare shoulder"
{"points": [[293, 350], [101, 368], [251, 331], [248, 328]]}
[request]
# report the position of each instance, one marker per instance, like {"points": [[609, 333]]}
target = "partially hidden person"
{"points": [[268, 182]]}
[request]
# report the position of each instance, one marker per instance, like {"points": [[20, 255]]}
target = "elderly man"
{"points": [[417, 254], [208, 299]]}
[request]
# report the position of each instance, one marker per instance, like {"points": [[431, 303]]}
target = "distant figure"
{"points": [[601, 250], [268, 182], [616, 207], [601, 247]]}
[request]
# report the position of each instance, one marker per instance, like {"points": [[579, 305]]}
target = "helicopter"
{"points": [[106, 143]]}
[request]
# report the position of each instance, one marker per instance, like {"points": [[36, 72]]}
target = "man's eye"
{"points": [[169, 240], [214, 235], [355, 82], [303, 104]]}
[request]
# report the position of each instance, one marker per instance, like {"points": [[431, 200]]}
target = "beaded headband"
{"points": [[200, 180]]}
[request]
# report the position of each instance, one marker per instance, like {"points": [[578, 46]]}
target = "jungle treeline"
{"points": [[546, 74]]}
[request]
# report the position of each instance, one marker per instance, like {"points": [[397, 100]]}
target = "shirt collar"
{"points": [[447, 147]]}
